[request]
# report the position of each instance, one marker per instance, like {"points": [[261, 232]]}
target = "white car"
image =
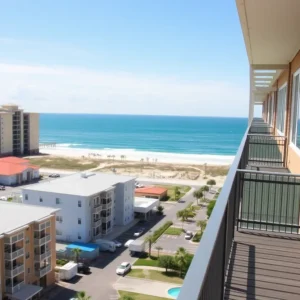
{"points": [[128, 243], [188, 235], [139, 232], [123, 268]]}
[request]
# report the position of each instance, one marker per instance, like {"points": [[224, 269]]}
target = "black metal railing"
{"points": [[269, 201], [266, 150], [206, 276]]}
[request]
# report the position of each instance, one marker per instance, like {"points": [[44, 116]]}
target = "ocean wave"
{"points": [[68, 145]]}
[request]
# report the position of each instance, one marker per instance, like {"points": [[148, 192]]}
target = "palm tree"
{"points": [[158, 248], [82, 296], [202, 225], [198, 195], [204, 190], [182, 215], [176, 193], [150, 239], [76, 252], [181, 258]]}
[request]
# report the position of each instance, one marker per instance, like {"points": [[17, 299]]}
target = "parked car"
{"points": [[2, 187], [83, 268], [139, 232], [188, 235], [128, 243], [117, 243], [123, 268], [54, 175], [139, 185]]}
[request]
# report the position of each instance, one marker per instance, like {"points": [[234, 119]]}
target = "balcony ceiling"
{"points": [[271, 30]]}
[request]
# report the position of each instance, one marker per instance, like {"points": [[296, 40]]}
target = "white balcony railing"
{"points": [[108, 205], [15, 271], [13, 255], [43, 271], [41, 257], [97, 223], [14, 239], [11, 289], [106, 219], [43, 240], [97, 209]]}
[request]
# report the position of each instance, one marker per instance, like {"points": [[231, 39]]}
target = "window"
{"points": [[270, 109], [79, 221], [41, 199], [79, 236], [79, 203], [26, 196], [58, 201], [281, 107], [27, 256], [59, 219], [295, 108]]}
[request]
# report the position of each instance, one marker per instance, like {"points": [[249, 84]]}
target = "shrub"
{"points": [[210, 207], [157, 233], [197, 237], [160, 210]]}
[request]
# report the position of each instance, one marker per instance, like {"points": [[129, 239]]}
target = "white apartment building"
{"points": [[90, 204], [19, 131]]}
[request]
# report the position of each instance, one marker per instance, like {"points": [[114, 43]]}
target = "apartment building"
{"points": [[27, 249], [90, 204], [19, 131], [250, 247]]}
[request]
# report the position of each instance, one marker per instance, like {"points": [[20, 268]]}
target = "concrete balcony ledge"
{"points": [[42, 240], [11, 289], [41, 257], [97, 223], [15, 271], [43, 271]]}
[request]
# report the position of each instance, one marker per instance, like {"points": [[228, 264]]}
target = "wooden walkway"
{"points": [[264, 267]]}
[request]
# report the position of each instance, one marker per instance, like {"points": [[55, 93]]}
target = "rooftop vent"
{"points": [[87, 175]]}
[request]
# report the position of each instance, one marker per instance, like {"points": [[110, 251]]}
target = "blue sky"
{"points": [[143, 57]]}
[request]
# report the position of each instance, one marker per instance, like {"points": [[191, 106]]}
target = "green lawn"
{"points": [[156, 275], [64, 163], [182, 188], [137, 296], [152, 262], [173, 231]]}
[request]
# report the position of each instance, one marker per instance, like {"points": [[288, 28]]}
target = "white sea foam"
{"points": [[136, 155]]}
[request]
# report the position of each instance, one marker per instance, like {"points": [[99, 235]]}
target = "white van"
{"points": [[105, 245]]}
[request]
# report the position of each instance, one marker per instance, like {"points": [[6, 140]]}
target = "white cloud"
{"points": [[74, 90]]}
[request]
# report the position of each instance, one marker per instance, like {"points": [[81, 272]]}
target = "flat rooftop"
{"points": [[16, 215], [80, 185]]}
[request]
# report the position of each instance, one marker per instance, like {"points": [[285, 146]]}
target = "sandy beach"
{"points": [[175, 168]]}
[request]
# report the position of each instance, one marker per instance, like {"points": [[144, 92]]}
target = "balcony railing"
{"points": [[19, 269], [97, 209], [253, 198], [38, 241], [11, 289], [43, 271], [105, 219], [42, 256], [97, 223], [13, 255], [14, 239]]}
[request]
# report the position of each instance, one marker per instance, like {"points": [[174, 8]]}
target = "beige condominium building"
{"points": [[27, 250], [19, 131]]}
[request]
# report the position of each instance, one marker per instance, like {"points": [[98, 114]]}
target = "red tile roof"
{"points": [[13, 165], [14, 160], [151, 190]]}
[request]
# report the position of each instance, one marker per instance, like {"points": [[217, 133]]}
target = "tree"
{"points": [[150, 239], [182, 215], [191, 212], [158, 248], [202, 225], [198, 194], [204, 189], [160, 209], [211, 182], [76, 252], [176, 193], [181, 258], [82, 296], [210, 208], [166, 261]]}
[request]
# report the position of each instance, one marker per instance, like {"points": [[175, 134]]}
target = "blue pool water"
{"points": [[174, 292], [83, 247]]}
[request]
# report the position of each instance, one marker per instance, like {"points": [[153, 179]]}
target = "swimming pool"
{"points": [[174, 292]]}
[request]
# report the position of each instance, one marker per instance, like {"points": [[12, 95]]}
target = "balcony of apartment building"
{"points": [[106, 215], [251, 244], [42, 252], [97, 221], [106, 227], [42, 269], [14, 285], [42, 233]]}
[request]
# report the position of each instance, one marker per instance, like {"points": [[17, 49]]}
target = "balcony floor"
{"points": [[264, 266]]}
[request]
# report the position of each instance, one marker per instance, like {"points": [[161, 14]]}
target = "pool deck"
{"points": [[145, 286]]}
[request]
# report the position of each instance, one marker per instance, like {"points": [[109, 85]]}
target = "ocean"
{"points": [[133, 134]]}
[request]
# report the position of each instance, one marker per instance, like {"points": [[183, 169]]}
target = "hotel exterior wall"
{"points": [[2, 278], [51, 275], [6, 134], [34, 133]]}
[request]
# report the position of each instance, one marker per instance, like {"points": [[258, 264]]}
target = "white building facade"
{"points": [[90, 204]]}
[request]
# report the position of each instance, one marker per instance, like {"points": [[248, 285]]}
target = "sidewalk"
{"points": [[149, 268]]}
